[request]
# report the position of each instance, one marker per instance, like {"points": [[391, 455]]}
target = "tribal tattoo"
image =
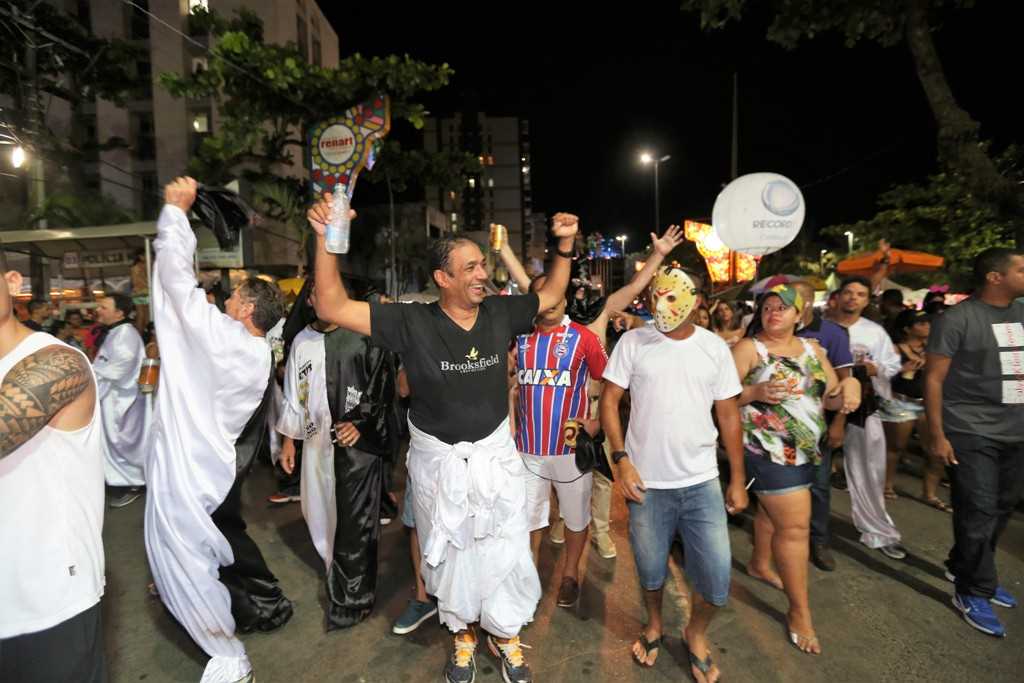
{"points": [[35, 390]]}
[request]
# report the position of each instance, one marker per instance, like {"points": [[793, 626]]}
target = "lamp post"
{"points": [[622, 245], [849, 242], [646, 159]]}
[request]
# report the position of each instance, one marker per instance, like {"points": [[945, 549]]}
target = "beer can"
{"points": [[570, 430]]}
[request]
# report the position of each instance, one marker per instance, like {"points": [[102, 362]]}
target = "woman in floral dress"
{"points": [[787, 384]]}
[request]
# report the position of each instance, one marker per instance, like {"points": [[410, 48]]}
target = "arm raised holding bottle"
{"points": [[333, 304]]}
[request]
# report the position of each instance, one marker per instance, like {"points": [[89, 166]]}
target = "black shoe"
{"points": [[821, 556], [839, 481]]}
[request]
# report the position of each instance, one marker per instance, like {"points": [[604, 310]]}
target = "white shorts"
{"points": [[573, 498]]}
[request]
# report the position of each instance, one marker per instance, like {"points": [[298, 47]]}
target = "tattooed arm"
{"points": [[36, 389]]}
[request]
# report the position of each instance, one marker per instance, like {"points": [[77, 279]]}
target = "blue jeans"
{"points": [[821, 497], [697, 514]]}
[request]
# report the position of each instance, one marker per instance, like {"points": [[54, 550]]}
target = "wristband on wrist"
{"points": [[619, 455], [564, 254]]}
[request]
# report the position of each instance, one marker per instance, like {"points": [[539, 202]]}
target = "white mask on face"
{"points": [[675, 296]]}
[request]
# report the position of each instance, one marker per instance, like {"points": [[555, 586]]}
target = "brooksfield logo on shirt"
{"points": [[473, 363]]}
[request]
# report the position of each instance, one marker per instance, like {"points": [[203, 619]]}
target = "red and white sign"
{"points": [[337, 144]]}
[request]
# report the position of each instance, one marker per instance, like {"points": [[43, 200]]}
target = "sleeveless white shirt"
{"points": [[51, 490]]}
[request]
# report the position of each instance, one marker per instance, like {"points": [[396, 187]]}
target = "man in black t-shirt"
{"points": [[974, 397], [469, 483]]}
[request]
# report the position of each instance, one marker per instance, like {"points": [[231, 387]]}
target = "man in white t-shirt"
{"points": [[864, 453], [676, 373]]}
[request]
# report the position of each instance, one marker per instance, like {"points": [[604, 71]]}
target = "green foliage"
{"points": [[941, 216], [877, 21], [268, 95], [71, 64]]}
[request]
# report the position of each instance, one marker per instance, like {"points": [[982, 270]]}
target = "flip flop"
{"points": [[891, 494], [649, 646], [702, 665]]}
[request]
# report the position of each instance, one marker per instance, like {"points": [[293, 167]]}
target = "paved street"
{"points": [[878, 620]]}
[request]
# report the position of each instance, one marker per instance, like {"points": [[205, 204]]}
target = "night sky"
{"points": [[600, 86]]}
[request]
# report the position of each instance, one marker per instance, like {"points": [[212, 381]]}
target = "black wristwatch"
{"points": [[564, 254], [619, 455]]}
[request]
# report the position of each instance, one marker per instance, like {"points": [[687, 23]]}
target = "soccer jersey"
{"points": [[553, 371]]}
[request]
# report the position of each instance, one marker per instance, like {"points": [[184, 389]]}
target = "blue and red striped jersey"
{"points": [[553, 370]]}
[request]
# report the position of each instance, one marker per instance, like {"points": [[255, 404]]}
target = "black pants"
{"points": [[821, 497], [70, 651], [352, 579], [257, 602], [987, 485]]}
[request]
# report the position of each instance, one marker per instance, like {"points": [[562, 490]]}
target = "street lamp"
{"points": [[821, 261], [622, 242], [647, 158], [17, 156], [849, 242]]}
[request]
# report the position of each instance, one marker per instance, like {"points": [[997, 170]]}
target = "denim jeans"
{"points": [[697, 514], [821, 498], [987, 484]]}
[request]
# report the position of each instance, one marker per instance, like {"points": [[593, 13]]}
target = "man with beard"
{"points": [[974, 396]]}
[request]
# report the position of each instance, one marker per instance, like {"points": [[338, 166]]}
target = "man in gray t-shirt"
{"points": [[974, 397]]}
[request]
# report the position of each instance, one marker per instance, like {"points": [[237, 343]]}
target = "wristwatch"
{"points": [[619, 455]]}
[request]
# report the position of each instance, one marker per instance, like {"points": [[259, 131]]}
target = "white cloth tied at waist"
{"points": [[477, 492]]}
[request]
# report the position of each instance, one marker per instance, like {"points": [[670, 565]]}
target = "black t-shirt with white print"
{"points": [[458, 378]]}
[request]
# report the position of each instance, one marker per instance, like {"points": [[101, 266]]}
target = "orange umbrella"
{"points": [[900, 261]]}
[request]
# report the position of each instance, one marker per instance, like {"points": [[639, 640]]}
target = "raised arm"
{"points": [[563, 226], [333, 304], [37, 389], [515, 268], [661, 247]]}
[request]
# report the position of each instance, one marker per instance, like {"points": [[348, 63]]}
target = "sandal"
{"points": [[649, 646], [890, 494], [937, 503], [795, 638], [702, 665]]}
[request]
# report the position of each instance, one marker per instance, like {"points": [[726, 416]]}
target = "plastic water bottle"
{"points": [[336, 234]]}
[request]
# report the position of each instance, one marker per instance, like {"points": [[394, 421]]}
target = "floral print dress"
{"points": [[789, 432]]}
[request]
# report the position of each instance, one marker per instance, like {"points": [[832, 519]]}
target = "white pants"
{"points": [[864, 457], [573, 491], [470, 507]]}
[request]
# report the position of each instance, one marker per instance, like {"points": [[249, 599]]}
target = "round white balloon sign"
{"points": [[758, 213]]}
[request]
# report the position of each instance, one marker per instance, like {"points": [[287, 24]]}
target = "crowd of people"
{"points": [[511, 406]]}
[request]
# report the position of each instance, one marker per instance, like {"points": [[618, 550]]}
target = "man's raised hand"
{"points": [[565, 225], [319, 215], [181, 192]]}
